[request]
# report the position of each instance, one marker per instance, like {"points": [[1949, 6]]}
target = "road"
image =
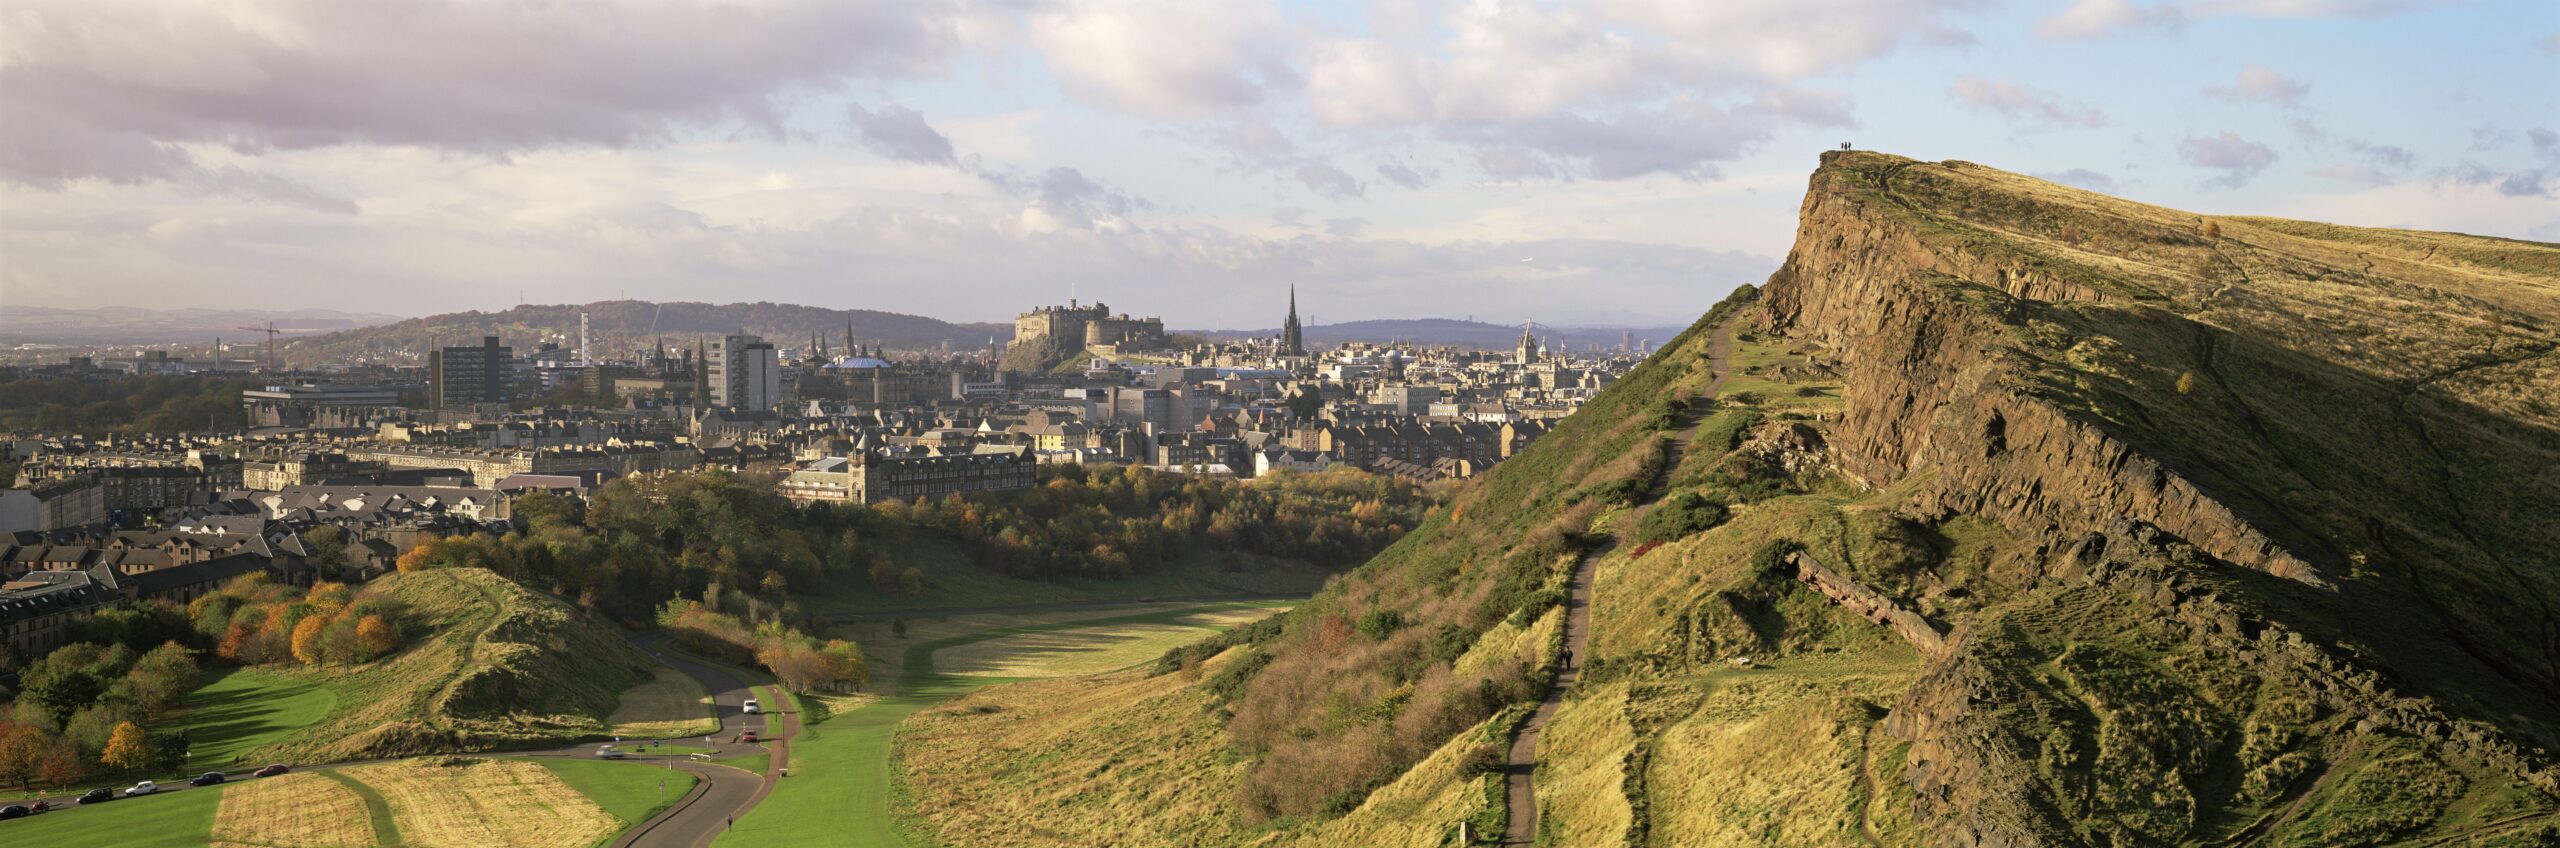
{"points": [[1520, 764]]}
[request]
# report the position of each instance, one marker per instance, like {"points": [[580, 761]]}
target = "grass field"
{"points": [[841, 766], [474, 803], [176, 820], [666, 706], [243, 709], [630, 792], [302, 809]]}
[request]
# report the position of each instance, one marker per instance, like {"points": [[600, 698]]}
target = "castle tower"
{"points": [[1293, 337]]}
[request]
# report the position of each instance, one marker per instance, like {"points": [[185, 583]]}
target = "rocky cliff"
{"points": [[2160, 404]]}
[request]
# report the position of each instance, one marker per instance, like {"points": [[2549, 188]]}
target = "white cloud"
{"points": [[2010, 100], [1163, 58], [2094, 18]]}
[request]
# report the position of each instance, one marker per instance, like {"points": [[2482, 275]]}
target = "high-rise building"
{"points": [[1293, 337], [745, 373], [471, 375]]}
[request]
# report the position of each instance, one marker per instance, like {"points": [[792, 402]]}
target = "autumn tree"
{"points": [[375, 637], [128, 750], [63, 765]]}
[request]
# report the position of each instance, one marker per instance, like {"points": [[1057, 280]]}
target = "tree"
{"points": [[63, 765], [306, 639], [128, 750], [374, 637]]}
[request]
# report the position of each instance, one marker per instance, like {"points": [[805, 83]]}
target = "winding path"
{"points": [[1520, 765]]}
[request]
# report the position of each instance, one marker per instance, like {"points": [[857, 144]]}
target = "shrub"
{"points": [[1683, 515]]}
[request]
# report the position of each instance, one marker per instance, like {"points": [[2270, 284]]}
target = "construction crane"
{"points": [[271, 331]]}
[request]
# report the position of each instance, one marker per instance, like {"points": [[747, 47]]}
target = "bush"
{"points": [[1683, 515]]}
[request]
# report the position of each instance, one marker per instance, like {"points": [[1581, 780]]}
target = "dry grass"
{"points": [[1582, 773], [1059, 653], [668, 706], [298, 810], [467, 803]]}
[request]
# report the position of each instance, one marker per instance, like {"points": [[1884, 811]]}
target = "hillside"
{"points": [[501, 667], [619, 327], [2021, 516]]}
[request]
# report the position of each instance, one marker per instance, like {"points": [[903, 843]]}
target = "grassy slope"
{"points": [[957, 581], [843, 762], [240, 710], [501, 667], [632, 792], [175, 820]]}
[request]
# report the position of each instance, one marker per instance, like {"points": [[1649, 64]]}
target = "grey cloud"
{"points": [[2082, 178], [2240, 160], [486, 78], [2012, 101], [1329, 181], [1406, 176], [2261, 84], [901, 133]]}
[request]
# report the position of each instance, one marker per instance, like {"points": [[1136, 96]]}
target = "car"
{"points": [[14, 811], [752, 707], [748, 736], [97, 796], [208, 779], [143, 788], [611, 753], [271, 771]]}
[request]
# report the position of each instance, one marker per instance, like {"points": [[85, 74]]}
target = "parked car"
{"points": [[752, 707], [611, 753], [748, 736], [14, 811], [271, 771], [97, 796], [208, 779], [143, 788]]}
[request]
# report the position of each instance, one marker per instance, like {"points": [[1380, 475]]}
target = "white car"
{"points": [[143, 788], [752, 709]]}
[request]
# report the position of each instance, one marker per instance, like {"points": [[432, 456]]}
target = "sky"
{"points": [[1616, 162]]}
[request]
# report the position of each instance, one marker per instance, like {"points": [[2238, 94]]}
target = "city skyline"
{"points": [[1608, 164]]}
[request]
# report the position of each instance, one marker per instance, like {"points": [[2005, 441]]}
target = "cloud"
{"points": [[1613, 90], [1163, 58], [2261, 84], [2240, 160], [2094, 18], [2011, 101], [900, 133], [1328, 181], [2081, 178], [1407, 176], [116, 91]]}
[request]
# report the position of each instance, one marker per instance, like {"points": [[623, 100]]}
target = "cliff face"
{"points": [[2145, 395]]}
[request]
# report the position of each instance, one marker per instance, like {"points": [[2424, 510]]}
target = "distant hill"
{"points": [[133, 325], [621, 326], [1452, 331]]}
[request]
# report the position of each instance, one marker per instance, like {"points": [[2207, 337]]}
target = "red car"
{"points": [[272, 770], [748, 736]]}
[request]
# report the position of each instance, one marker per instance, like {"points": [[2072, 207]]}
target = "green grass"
{"points": [[243, 709], [175, 820], [842, 765], [376, 808], [632, 792]]}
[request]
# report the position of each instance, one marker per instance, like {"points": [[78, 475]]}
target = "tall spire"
{"points": [[1293, 336]]}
